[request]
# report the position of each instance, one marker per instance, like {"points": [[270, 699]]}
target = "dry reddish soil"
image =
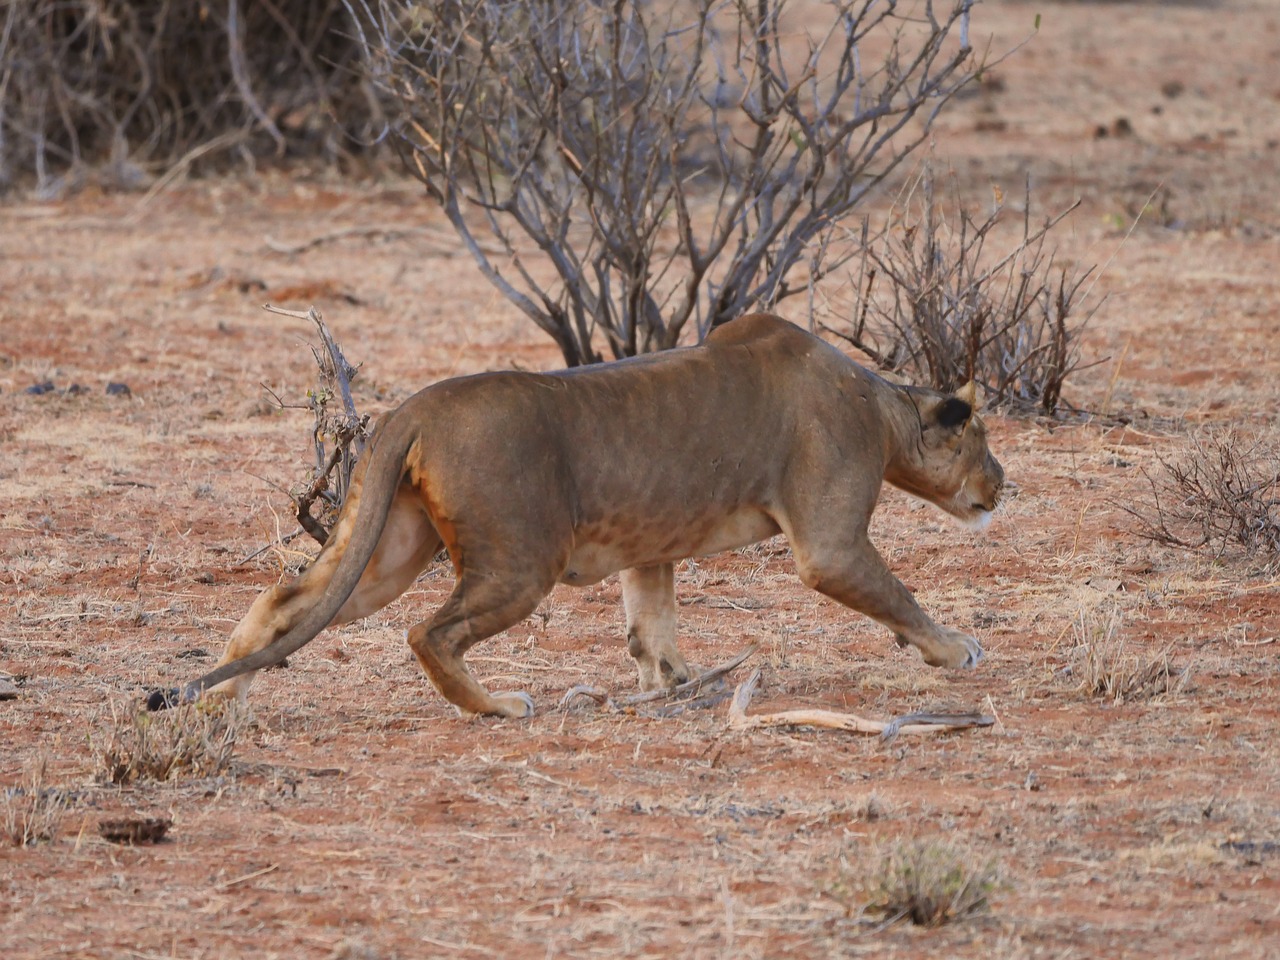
{"points": [[362, 818]]}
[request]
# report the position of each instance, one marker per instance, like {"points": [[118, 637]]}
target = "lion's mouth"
{"points": [[979, 520]]}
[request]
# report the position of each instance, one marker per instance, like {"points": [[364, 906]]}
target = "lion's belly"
{"points": [[608, 547]]}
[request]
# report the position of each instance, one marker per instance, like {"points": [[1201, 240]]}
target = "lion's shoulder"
{"points": [[780, 343], [756, 327]]}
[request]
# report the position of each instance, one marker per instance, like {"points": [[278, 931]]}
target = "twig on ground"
{"points": [[693, 685], [449, 242], [830, 720], [228, 884], [675, 705], [278, 542]]}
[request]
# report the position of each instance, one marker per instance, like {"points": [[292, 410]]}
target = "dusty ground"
{"points": [[362, 818]]}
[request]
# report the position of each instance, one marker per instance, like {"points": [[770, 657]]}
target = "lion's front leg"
{"points": [[858, 577], [649, 598]]}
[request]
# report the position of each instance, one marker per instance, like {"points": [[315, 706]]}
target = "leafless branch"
{"points": [[651, 170], [949, 313], [347, 431]]}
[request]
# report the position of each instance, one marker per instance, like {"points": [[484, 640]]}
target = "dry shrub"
{"points": [[930, 883], [645, 170], [932, 305], [32, 812], [195, 741], [1221, 495], [338, 435], [1107, 668], [121, 86]]}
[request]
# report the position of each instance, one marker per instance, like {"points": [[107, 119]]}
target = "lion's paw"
{"points": [[515, 704], [954, 650]]}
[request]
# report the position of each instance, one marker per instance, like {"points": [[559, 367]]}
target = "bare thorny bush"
{"points": [[122, 87], [339, 432], [934, 306], [668, 166], [1221, 495]]}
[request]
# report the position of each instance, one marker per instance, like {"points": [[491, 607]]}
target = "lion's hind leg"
{"points": [[404, 550], [649, 598], [479, 607]]}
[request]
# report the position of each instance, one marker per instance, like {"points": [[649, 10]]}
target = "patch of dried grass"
{"points": [[32, 812], [1169, 854], [1107, 668], [194, 741], [930, 882]]}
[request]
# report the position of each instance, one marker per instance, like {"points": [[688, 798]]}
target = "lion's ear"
{"points": [[971, 394], [953, 413]]}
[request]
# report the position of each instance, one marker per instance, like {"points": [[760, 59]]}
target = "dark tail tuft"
{"points": [[163, 699]]}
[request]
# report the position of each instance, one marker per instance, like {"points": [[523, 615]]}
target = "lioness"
{"points": [[529, 480]]}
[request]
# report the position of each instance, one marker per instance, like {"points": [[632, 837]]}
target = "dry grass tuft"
{"points": [[191, 741], [871, 809], [1106, 668], [32, 812], [931, 883]]}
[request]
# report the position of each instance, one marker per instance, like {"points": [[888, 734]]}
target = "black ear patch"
{"points": [[954, 412]]}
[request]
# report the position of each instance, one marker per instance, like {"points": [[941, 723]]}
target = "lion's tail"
{"points": [[390, 447]]}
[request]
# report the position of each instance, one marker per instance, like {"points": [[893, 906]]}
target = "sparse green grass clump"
{"points": [[930, 883], [32, 812], [197, 740]]}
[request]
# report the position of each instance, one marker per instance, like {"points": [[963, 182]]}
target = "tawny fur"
{"points": [[532, 479]]}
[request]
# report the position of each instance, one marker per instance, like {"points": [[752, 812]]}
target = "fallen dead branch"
{"points": [[826, 719], [680, 698], [362, 233], [448, 242], [283, 541]]}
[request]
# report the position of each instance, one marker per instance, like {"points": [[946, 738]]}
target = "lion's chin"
{"points": [[972, 515], [977, 522]]}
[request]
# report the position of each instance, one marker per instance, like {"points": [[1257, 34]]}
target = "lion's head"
{"points": [[949, 463]]}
